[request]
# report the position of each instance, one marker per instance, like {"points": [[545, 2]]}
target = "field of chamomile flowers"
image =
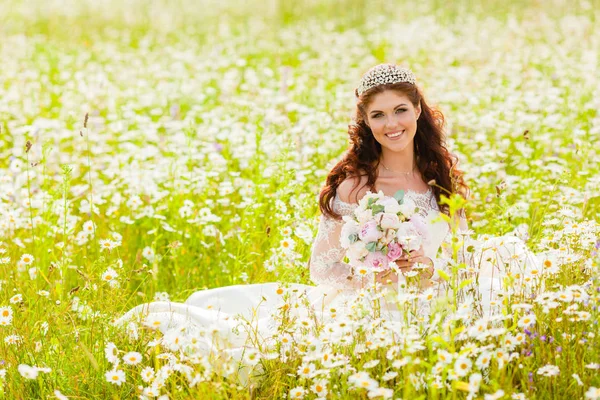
{"points": [[150, 149]]}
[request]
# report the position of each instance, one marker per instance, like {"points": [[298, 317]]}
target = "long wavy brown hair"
{"points": [[435, 163]]}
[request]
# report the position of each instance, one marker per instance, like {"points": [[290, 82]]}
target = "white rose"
{"points": [[363, 203], [390, 221], [349, 228], [363, 216], [408, 207], [410, 242], [405, 229], [391, 205], [357, 250]]}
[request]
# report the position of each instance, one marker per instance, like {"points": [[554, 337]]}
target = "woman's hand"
{"points": [[387, 276], [407, 261]]}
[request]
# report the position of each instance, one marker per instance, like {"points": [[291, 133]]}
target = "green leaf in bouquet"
{"points": [[377, 208], [353, 238], [371, 246], [399, 195], [371, 201]]}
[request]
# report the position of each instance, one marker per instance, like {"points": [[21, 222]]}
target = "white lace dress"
{"points": [[215, 310], [326, 267]]}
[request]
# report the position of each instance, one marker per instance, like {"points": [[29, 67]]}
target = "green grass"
{"points": [[242, 109]]}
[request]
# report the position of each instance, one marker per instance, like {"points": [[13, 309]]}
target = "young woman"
{"points": [[397, 144]]}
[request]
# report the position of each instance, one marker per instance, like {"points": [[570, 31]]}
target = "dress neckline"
{"points": [[413, 192]]}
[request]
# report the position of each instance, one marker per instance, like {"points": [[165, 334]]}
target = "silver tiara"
{"points": [[382, 74]]}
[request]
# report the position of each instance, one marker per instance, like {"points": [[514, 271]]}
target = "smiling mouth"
{"points": [[394, 135]]}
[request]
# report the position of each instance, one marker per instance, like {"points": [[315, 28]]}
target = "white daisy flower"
{"points": [[388, 376], [13, 339], [383, 393], [593, 393], [306, 370], [462, 366], [483, 361], [148, 253], [115, 376], [548, 370], [362, 380], [89, 227], [526, 321], [6, 312], [297, 393], [319, 388], [16, 299], [110, 276], [27, 259], [153, 321], [251, 357], [132, 358], [147, 374], [107, 244], [111, 353]]}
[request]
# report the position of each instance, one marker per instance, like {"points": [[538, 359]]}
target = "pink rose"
{"points": [[377, 261], [394, 251], [369, 232]]}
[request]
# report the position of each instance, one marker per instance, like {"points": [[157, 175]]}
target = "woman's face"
{"points": [[393, 120]]}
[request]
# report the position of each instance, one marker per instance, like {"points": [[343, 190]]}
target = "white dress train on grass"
{"points": [[217, 312]]}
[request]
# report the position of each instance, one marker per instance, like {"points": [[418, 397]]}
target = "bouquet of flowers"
{"points": [[380, 231]]}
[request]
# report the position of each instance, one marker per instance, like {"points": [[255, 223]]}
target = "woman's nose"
{"points": [[393, 122]]}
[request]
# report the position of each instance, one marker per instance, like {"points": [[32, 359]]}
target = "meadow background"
{"points": [[210, 128]]}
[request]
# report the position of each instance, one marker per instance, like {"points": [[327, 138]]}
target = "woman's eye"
{"points": [[398, 110]]}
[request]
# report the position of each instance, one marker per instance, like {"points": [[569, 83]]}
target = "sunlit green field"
{"points": [[152, 149]]}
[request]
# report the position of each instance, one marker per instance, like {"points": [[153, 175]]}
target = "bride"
{"points": [[397, 143]]}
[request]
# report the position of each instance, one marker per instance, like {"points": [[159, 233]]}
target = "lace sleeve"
{"points": [[326, 265]]}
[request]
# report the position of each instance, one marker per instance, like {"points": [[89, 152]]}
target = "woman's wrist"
{"points": [[431, 269]]}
